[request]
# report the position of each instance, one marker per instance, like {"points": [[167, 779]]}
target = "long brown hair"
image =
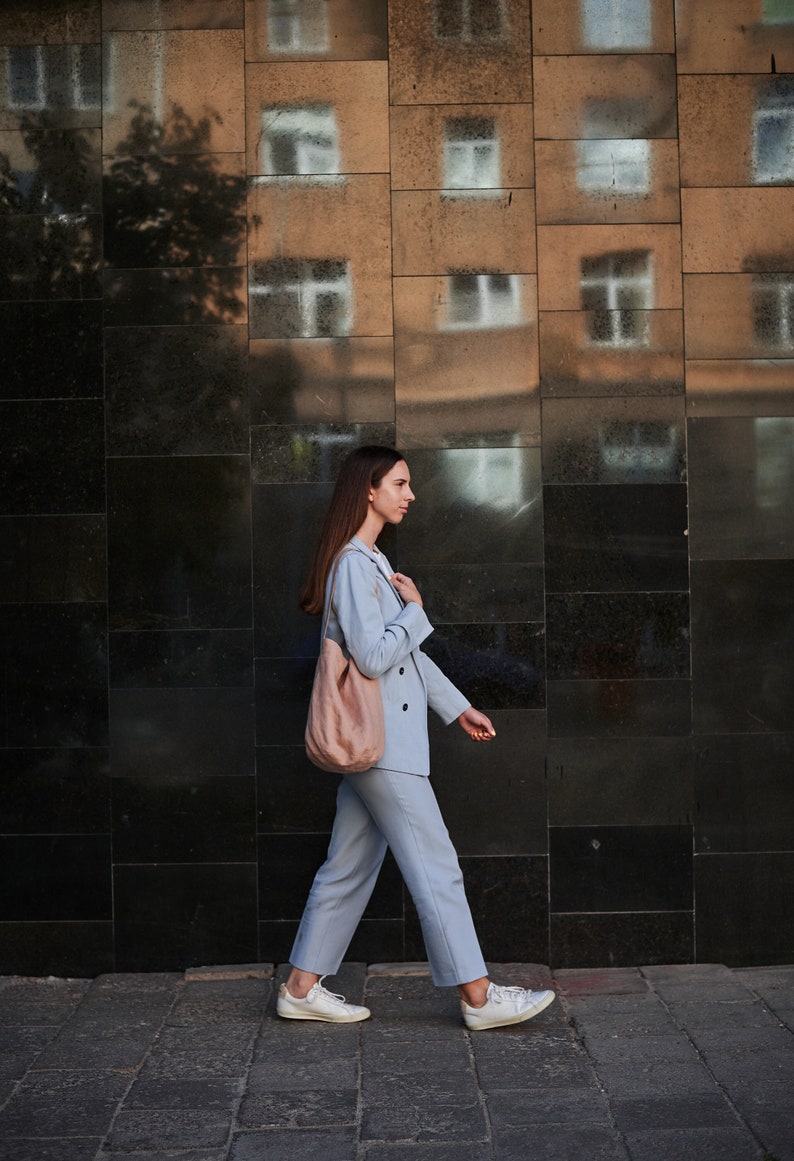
{"points": [[363, 469]]}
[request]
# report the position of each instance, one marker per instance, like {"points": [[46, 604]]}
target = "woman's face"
{"points": [[390, 499]]}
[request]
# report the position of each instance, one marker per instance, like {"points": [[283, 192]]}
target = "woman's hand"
{"points": [[477, 725], [406, 588]]}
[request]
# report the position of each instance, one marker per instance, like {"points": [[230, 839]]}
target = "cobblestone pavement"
{"points": [[632, 1064]]}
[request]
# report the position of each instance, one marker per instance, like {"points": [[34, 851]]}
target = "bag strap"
{"points": [[339, 556]]}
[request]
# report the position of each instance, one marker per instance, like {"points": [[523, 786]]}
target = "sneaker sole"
{"points": [[521, 1018], [324, 1019]]}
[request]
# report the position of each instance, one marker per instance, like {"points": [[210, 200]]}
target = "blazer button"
{"points": [[405, 707], [402, 671]]}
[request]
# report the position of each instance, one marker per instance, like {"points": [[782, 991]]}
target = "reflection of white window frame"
{"points": [[611, 279], [483, 301], [299, 140], [490, 477], [297, 26], [467, 15], [22, 58], [614, 167], [85, 93], [773, 136], [308, 285], [471, 154], [617, 24], [774, 461], [773, 311]]}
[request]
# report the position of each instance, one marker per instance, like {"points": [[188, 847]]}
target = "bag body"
{"points": [[345, 730]]}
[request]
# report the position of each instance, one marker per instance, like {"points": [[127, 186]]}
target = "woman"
{"points": [[377, 615]]}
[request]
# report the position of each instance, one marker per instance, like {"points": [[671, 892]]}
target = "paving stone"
{"points": [[62, 1149], [549, 1069], [202, 1010], [748, 1014], [302, 1109], [511, 1108], [291, 1075], [600, 981], [729, 1144], [636, 1049], [559, 1143], [431, 1151], [775, 1129], [20, 1048], [200, 1052], [750, 1040], [105, 1046], [229, 972], [422, 1107], [151, 1129], [165, 1155], [655, 1077], [215, 1094], [393, 1058], [637, 1113], [295, 1145], [695, 983]]}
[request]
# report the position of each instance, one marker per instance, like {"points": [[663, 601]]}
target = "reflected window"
{"points": [[623, 24], [301, 298], [297, 25], [773, 133], [617, 290], [301, 140], [469, 21], [481, 301], [484, 476], [471, 154], [614, 167], [773, 311], [61, 76], [774, 462], [777, 12], [638, 451]]}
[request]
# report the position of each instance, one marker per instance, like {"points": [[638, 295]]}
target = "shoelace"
{"points": [[502, 992], [318, 989]]}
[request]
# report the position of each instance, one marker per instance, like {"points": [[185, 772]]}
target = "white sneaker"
{"points": [[319, 1004], [505, 1005]]}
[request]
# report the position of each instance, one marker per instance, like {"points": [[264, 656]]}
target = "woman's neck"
{"points": [[370, 530]]}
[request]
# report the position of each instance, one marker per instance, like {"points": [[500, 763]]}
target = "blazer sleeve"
{"points": [[442, 696], [374, 643]]}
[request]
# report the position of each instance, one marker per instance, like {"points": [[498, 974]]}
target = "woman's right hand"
{"points": [[406, 588]]}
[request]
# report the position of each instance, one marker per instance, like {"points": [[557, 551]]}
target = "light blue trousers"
{"points": [[377, 809]]}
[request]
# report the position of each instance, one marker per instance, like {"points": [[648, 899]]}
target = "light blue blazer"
{"points": [[383, 636]]}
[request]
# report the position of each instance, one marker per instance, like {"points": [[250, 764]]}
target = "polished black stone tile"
{"points": [[628, 440], [67, 366], [192, 820], [282, 690], [51, 171], [50, 256], [319, 381], [584, 941], [176, 390], [55, 877], [157, 910], [468, 593], [743, 792], [741, 487], [508, 898], [286, 524], [742, 655], [182, 736], [619, 781], [179, 543], [495, 666], [378, 941], [742, 918], [614, 708], [617, 635], [475, 781], [174, 297], [293, 796], [55, 791], [52, 455], [287, 866], [121, 15], [292, 455], [199, 658], [621, 868], [80, 950], [615, 537], [473, 506], [179, 210], [54, 661], [53, 83], [276, 938], [52, 558]]}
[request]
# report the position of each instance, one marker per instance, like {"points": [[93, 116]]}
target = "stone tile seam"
{"points": [[481, 1097], [702, 1058], [786, 1021]]}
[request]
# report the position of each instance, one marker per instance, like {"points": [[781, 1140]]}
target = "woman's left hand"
{"points": [[477, 725]]}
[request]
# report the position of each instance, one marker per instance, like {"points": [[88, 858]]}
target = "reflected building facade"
{"points": [[548, 250]]}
